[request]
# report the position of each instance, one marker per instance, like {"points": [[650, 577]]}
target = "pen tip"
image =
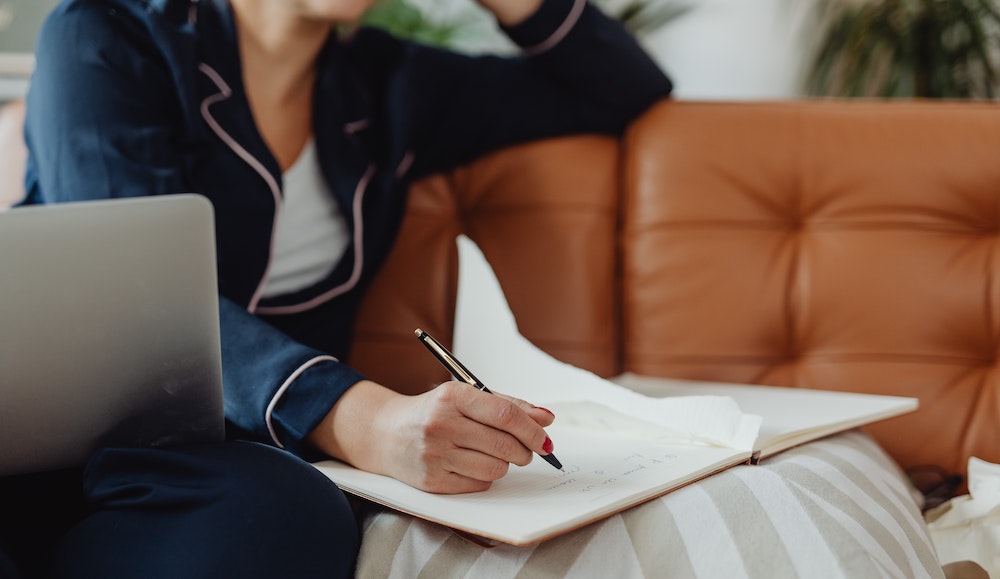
{"points": [[417, 332]]}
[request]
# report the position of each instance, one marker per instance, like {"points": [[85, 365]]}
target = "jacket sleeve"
{"points": [[101, 116], [579, 71]]}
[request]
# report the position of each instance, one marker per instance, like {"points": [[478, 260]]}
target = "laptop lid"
{"points": [[109, 329]]}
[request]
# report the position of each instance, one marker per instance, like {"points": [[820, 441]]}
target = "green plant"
{"points": [[402, 19], [405, 19], [907, 48]]}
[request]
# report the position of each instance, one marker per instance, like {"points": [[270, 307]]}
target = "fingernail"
{"points": [[545, 410], [547, 446]]}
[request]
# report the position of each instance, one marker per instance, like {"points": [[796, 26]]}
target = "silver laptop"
{"points": [[109, 329]]}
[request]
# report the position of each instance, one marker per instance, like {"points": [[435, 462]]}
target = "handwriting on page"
{"points": [[581, 478], [634, 463]]}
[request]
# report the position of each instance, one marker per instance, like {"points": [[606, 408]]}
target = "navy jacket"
{"points": [[145, 97]]}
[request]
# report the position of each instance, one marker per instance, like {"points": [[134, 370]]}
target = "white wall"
{"points": [[736, 49], [718, 49]]}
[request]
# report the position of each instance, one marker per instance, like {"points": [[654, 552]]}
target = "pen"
{"points": [[459, 371]]}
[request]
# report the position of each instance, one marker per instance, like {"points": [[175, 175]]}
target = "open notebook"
{"points": [[618, 447]]}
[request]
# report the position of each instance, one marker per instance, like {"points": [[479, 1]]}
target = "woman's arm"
{"points": [[511, 12], [580, 71]]}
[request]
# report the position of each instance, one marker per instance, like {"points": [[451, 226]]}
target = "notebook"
{"points": [[109, 329]]}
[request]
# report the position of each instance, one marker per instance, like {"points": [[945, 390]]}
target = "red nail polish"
{"points": [[547, 446], [545, 410]]}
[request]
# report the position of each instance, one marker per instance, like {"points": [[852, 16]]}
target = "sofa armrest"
{"points": [[545, 215]]}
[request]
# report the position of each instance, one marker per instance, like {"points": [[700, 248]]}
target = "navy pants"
{"points": [[233, 509]]}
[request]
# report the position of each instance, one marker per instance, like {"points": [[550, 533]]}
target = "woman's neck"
{"points": [[278, 49], [278, 44]]}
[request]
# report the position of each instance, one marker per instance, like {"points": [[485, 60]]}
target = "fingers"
{"points": [[457, 439], [500, 413], [491, 443], [543, 416]]}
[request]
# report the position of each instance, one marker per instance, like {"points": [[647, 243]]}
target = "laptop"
{"points": [[109, 329]]}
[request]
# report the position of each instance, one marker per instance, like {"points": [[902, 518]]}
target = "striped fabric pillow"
{"points": [[837, 507]]}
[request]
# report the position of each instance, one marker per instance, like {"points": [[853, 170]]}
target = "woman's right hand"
{"points": [[452, 439]]}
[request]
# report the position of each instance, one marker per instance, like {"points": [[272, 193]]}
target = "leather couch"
{"points": [[843, 245]]}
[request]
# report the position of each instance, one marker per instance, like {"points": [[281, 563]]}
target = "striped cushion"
{"points": [[838, 507]]}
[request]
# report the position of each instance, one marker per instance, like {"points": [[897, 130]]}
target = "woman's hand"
{"points": [[511, 12], [453, 439]]}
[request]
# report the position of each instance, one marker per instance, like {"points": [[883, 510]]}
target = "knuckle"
{"points": [[522, 458], [447, 393], [504, 447], [506, 413], [523, 405], [497, 470]]}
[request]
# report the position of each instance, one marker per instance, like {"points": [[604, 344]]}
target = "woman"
{"points": [[306, 140]]}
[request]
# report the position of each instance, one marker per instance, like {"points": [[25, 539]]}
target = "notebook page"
{"points": [[790, 414], [488, 343]]}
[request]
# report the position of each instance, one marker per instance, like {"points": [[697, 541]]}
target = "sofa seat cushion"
{"points": [[837, 507]]}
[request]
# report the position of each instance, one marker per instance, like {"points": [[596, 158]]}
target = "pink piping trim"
{"points": [[359, 256], [355, 126], [225, 93], [561, 32], [405, 164], [277, 395]]}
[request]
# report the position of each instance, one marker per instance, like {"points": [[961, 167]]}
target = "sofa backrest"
{"points": [[842, 245]]}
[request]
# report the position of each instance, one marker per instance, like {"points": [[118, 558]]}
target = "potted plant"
{"points": [[906, 48]]}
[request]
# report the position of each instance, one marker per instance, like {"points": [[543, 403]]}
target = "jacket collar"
{"points": [[220, 92]]}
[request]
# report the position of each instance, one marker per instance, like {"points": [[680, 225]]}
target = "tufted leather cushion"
{"points": [[835, 245]]}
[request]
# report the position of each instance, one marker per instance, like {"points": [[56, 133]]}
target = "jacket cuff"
{"points": [[546, 28], [318, 384]]}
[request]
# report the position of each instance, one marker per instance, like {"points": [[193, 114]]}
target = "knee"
{"points": [[271, 480], [284, 495], [259, 509]]}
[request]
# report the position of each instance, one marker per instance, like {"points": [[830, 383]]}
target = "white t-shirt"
{"points": [[311, 235]]}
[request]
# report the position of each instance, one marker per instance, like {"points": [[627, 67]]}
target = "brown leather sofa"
{"points": [[841, 245], [815, 244]]}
